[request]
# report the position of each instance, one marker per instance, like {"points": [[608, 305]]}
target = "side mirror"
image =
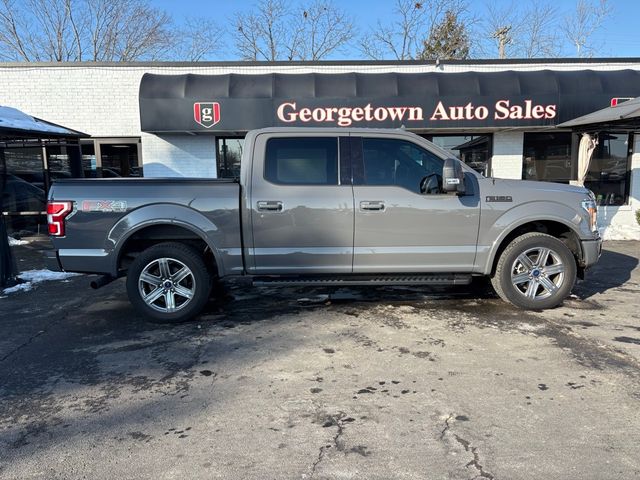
{"points": [[452, 176]]}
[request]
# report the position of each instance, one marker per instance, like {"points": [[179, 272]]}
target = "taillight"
{"points": [[56, 213]]}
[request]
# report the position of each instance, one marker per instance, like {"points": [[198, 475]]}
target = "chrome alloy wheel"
{"points": [[166, 285], [537, 273]]}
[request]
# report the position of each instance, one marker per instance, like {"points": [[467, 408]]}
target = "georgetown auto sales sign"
{"points": [[289, 112], [370, 114], [241, 102]]}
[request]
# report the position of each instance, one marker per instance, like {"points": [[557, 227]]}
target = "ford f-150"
{"points": [[325, 206]]}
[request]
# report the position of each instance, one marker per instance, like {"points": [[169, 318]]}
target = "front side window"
{"points": [[302, 161], [399, 163]]}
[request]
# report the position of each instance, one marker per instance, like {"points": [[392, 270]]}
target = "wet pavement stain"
{"points": [[633, 340], [141, 437]]}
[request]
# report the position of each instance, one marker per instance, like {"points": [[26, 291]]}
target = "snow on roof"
{"points": [[13, 119]]}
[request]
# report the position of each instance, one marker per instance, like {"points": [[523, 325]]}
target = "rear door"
{"points": [[400, 229], [301, 213]]}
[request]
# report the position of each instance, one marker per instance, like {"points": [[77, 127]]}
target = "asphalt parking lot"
{"points": [[353, 383]]}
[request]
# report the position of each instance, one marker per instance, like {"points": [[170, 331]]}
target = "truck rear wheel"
{"points": [[536, 271], [169, 283]]}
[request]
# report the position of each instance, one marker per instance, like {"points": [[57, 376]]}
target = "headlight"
{"points": [[591, 207]]}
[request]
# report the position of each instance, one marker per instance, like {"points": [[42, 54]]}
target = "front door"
{"points": [[398, 228], [302, 216]]}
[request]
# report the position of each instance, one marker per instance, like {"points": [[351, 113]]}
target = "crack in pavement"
{"points": [[25, 344], [331, 420], [46, 328], [447, 426], [475, 463]]}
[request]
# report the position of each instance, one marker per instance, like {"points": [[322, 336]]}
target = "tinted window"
{"points": [[397, 162], [302, 161]]}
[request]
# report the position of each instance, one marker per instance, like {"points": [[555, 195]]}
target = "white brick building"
{"points": [[103, 101]]}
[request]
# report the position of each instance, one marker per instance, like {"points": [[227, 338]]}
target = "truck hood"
{"points": [[539, 186]]}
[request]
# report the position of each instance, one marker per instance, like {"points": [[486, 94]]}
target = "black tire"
{"points": [[533, 288], [172, 304]]}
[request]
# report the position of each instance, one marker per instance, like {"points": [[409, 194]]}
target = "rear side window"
{"points": [[302, 161]]}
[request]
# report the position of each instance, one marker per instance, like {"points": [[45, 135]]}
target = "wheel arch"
{"points": [[555, 227], [160, 223]]}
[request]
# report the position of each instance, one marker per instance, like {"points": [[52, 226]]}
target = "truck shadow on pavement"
{"points": [[612, 271]]}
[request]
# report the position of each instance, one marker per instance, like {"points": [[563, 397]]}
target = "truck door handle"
{"points": [[377, 205], [270, 206]]}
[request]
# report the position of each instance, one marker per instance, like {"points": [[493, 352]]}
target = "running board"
{"points": [[364, 280]]}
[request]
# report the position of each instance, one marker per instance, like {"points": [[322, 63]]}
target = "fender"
{"points": [[535, 211], [162, 214]]}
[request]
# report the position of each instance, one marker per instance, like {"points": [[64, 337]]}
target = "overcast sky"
{"points": [[620, 37]]}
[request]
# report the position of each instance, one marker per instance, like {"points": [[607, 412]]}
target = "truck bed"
{"points": [[208, 207]]}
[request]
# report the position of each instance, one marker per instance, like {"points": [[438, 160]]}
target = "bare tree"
{"points": [[537, 34], [325, 29], [76, 30], [199, 39], [525, 32], [275, 31], [413, 21], [262, 34], [581, 24]]}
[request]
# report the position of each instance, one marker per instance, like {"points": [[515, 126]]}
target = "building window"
{"points": [[229, 155], [302, 161], [547, 157], [111, 158], [474, 150], [119, 160], [608, 175]]}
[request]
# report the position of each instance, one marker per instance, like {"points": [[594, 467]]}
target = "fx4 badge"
{"points": [[206, 114], [504, 198], [104, 206]]}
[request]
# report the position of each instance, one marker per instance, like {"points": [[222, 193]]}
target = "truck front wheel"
{"points": [[169, 283], [536, 271]]}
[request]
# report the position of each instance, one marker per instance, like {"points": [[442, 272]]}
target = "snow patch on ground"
{"points": [[620, 232], [31, 277], [21, 287], [14, 242], [36, 276]]}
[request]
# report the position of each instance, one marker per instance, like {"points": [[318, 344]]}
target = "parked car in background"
{"points": [[24, 202]]}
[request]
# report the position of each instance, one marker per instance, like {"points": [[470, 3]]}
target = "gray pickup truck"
{"points": [[327, 206]]}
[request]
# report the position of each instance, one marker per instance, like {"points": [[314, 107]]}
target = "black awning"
{"points": [[626, 114], [241, 102]]}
